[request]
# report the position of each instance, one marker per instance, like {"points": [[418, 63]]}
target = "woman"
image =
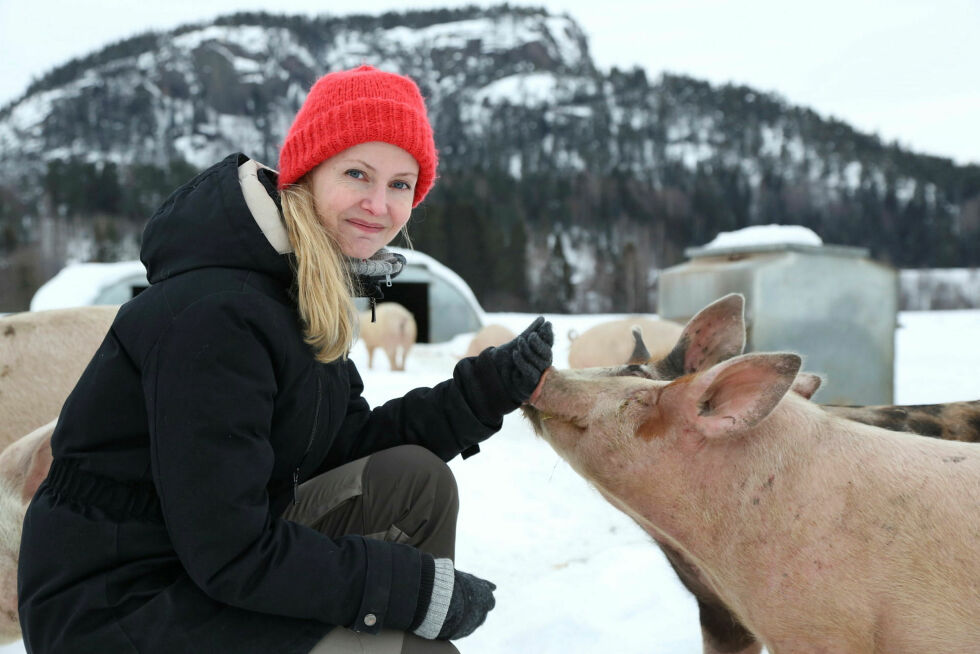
{"points": [[219, 483]]}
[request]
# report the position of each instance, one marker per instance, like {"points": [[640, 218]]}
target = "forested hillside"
{"points": [[563, 187]]}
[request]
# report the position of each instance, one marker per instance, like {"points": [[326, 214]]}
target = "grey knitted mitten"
{"points": [[472, 600]]}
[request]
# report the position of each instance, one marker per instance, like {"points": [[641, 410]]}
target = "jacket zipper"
{"points": [[309, 444]]}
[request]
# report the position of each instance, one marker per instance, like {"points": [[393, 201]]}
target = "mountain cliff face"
{"points": [[562, 187], [203, 91]]}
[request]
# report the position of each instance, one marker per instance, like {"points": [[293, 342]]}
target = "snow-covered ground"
{"points": [[574, 575]]}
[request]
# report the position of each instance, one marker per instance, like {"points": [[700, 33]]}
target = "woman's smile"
{"points": [[370, 228]]}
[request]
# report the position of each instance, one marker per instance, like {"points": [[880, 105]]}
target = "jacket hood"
{"points": [[225, 217]]}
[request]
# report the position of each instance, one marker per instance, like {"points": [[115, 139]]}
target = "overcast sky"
{"points": [[908, 70]]}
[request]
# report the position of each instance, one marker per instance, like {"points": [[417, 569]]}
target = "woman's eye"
{"points": [[403, 186], [355, 173]]}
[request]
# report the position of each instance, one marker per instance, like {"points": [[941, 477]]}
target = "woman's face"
{"points": [[364, 195]]}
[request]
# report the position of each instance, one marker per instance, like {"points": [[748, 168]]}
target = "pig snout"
{"points": [[576, 396], [537, 389], [556, 396]]}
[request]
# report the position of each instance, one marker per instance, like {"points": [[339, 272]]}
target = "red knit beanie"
{"points": [[356, 106]]}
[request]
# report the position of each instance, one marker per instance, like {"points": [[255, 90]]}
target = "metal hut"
{"points": [[832, 304]]}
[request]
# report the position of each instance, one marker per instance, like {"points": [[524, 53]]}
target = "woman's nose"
{"points": [[376, 200]]}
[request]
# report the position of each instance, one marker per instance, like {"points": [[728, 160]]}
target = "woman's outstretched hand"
{"points": [[523, 360]]}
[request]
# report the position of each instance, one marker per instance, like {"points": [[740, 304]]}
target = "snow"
{"points": [[252, 38], [79, 284], [530, 89], [514, 167], [691, 154], [26, 119], [852, 174], [573, 574], [500, 34], [765, 235]]}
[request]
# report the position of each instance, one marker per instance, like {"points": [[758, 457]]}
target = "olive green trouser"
{"points": [[404, 495]]}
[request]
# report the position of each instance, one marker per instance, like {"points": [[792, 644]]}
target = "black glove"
{"points": [[452, 604], [523, 360], [472, 600]]}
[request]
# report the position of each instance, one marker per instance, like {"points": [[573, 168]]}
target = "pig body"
{"points": [[42, 355], [489, 336], [953, 421], [394, 331], [717, 333], [817, 533], [609, 343]]}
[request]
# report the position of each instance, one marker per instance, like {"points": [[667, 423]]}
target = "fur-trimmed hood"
{"points": [[226, 217]]}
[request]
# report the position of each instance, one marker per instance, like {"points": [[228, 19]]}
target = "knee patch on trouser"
{"points": [[414, 495], [404, 494]]}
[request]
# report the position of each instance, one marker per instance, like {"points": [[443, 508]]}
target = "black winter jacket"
{"points": [[158, 528]]}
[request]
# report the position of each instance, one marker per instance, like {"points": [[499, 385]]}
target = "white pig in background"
{"points": [[610, 343], [820, 534], [489, 336], [23, 466], [393, 330]]}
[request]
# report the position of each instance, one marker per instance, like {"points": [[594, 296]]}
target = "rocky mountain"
{"points": [[563, 187]]}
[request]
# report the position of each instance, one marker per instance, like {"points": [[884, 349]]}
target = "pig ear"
{"points": [[24, 464], [737, 394], [641, 354], [715, 334], [806, 384]]}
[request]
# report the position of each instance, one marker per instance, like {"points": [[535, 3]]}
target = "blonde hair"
{"points": [[324, 288]]}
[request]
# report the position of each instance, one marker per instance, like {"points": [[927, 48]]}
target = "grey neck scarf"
{"points": [[369, 273], [383, 265]]}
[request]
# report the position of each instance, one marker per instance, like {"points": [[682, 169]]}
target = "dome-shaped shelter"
{"points": [[442, 303]]}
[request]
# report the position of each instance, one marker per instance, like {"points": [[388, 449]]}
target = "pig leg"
{"points": [[721, 631], [24, 463], [392, 353]]}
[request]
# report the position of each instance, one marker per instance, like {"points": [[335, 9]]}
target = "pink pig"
{"points": [[23, 466], [488, 336], [42, 355], [818, 533], [608, 343]]}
